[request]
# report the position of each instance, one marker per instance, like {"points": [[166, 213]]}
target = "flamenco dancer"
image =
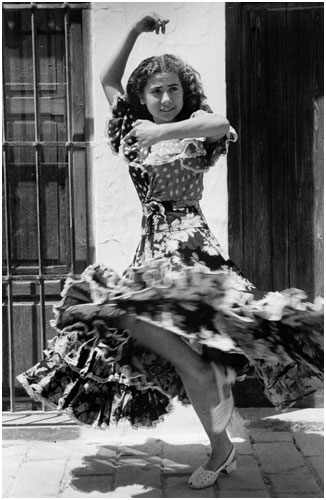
{"points": [[182, 321]]}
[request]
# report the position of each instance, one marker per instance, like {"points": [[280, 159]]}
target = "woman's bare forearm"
{"points": [[210, 126], [113, 71]]}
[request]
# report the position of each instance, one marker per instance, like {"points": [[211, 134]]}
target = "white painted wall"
{"points": [[196, 33]]}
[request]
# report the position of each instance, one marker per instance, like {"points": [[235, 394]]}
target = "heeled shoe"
{"points": [[203, 478], [223, 412]]}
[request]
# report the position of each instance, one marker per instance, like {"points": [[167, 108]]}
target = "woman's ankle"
{"points": [[218, 456], [220, 444]]}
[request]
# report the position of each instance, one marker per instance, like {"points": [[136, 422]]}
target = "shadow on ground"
{"points": [[138, 466]]}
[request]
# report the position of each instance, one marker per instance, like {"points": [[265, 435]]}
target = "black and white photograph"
{"points": [[162, 244]]}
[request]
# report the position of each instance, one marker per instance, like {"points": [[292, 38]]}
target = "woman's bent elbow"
{"points": [[225, 126], [222, 126]]}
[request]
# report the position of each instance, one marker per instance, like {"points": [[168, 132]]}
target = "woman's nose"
{"points": [[165, 97]]}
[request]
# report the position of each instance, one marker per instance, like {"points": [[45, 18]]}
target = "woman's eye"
{"points": [[156, 92]]}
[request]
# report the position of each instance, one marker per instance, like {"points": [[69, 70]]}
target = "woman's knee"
{"points": [[171, 347], [198, 369]]}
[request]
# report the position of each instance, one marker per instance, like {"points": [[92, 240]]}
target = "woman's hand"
{"points": [[145, 132], [151, 22]]}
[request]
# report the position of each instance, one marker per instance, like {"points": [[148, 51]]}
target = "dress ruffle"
{"points": [[192, 154], [183, 151], [97, 372]]}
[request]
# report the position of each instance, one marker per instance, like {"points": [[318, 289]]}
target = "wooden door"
{"points": [[274, 66]]}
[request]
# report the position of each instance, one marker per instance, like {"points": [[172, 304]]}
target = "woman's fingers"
{"points": [[164, 23], [143, 152], [152, 22], [128, 136], [145, 133], [160, 25], [132, 132]]}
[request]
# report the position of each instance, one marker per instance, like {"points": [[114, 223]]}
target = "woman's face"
{"points": [[163, 96]]}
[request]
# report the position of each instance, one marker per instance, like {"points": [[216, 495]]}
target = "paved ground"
{"points": [[280, 455]]}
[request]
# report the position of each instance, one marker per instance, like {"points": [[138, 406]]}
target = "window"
{"points": [[44, 171]]}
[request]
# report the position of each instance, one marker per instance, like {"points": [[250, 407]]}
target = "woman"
{"points": [[182, 321]]}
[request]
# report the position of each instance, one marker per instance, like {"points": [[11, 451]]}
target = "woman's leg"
{"points": [[198, 378]]}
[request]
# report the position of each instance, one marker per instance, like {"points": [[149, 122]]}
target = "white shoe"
{"points": [[203, 478]]}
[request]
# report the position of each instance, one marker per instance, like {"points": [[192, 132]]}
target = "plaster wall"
{"points": [[196, 33]]}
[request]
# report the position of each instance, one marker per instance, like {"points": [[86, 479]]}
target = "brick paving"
{"points": [[62, 461]]}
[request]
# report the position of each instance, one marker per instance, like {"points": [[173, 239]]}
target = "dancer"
{"points": [[182, 321]]}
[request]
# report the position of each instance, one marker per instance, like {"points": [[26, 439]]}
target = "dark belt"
{"points": [[154, 207]]}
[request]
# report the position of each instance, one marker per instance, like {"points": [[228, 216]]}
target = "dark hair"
{"points": [[193, 95]]}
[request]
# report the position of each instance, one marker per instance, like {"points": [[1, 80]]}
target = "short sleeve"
{"points": [[210, 151], [119, 125]]}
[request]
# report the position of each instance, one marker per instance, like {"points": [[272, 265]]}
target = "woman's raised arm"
{"points": [[112, 73]]}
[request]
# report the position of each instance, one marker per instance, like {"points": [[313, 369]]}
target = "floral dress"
{"points": [[182, 281]]}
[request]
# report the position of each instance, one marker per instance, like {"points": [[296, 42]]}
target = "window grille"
{"points": [[44, 175]]}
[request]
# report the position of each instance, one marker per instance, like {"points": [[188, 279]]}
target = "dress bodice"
{"points": [[165, 175], [171, 170]]}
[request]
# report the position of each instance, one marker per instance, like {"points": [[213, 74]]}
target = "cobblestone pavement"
{"points": [[280, 455]]}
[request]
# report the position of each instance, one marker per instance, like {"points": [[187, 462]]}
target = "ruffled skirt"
{"points": [[97, 372]]}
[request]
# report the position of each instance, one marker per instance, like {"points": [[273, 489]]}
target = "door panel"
{"points": [[305, 90], [274, 65]]}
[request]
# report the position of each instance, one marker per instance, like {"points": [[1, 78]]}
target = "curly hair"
{"points": [[193, 95]]}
